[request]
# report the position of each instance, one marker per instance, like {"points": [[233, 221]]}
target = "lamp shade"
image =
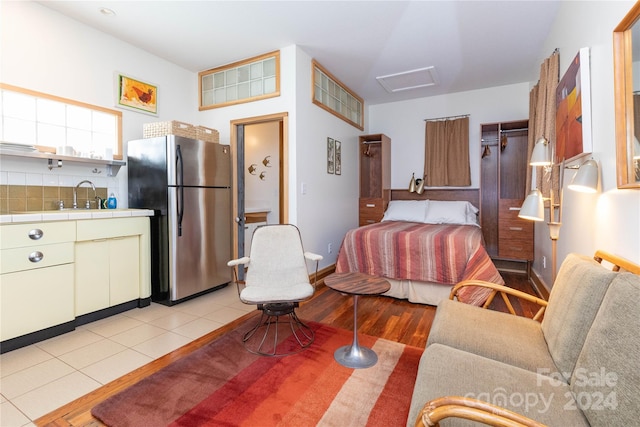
{"points": [[412, 184], [420, 188], [541, 154], [586, 179], [533, 207]]}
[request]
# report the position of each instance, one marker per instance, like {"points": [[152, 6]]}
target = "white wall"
{"points": [[403, 122], [77, 62], [45, 51], [609, 220]]}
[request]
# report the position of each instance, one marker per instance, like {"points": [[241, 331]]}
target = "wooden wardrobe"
{"points": [[503, 171]]}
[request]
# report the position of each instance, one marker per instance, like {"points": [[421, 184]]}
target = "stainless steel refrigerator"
{"points": [[187, 183]]}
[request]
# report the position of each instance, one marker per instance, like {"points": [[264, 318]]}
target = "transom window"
{"points": [[249, 80], [37, 119], [330, 94]]}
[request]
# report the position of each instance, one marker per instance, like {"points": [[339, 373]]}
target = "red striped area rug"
{"points": [[222, 384]]}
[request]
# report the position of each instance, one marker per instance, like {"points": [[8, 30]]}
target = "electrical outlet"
{"points": [[544, 262], [329, 248]]}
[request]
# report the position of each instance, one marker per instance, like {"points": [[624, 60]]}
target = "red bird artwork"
{"points": [[143, 96]]}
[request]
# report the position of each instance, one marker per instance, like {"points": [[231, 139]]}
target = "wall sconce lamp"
{"points": [[416, 185], [541, 154], [586, 178]]}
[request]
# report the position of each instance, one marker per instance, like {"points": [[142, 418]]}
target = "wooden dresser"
{"points": [[375, 177]]}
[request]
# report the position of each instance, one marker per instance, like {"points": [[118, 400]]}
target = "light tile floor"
{"points": [[40, 378]]}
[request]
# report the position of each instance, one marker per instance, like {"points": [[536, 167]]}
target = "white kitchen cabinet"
{"points": [[111, 268], [36, 281]]}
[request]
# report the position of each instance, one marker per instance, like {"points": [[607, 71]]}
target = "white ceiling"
{"points": [[471, 44]]}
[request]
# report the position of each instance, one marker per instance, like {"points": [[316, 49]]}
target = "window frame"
{"points": [[237, 64], [118, 152], [316, 65]]}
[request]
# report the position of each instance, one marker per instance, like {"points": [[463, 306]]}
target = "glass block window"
{"points": [[34, 118], [249, 80], [330, 94]]}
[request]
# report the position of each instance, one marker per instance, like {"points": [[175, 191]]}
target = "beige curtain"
{"points": [[447, 153], [542, 121]]}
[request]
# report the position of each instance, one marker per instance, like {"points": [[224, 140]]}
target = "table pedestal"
{"points": [[354, 356]]}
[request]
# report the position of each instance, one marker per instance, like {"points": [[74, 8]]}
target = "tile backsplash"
{"points": [[25, 191], [21, 198]]}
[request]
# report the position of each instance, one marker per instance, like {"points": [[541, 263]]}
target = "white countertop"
{"points": [[72, 214]]}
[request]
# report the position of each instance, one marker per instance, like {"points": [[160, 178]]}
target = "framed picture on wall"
{"points": [[338, 157], [136, 95], [573, 110], [331, 164]]}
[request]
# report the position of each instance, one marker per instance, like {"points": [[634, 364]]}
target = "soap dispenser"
{"points": [[112, 203]]}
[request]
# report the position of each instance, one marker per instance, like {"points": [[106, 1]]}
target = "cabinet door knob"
{"points": [[515, 228], [36, 234], [36, 256], [371, 205]]}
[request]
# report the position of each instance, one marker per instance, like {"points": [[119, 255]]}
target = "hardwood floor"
{"points": [[385, 317]]}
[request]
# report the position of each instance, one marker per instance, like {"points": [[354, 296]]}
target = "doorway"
{"points": [[260, 176]]}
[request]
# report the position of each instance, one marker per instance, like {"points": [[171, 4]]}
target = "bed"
{"points": [[423, 248]]}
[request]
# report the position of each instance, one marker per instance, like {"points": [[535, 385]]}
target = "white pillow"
{"points": [[406, 210], [451, 212]]}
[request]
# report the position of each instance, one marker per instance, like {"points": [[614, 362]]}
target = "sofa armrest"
{"points": [[436, 410], [504, 291]]}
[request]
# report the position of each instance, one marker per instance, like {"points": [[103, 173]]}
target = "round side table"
{"points": [[356, 284]]}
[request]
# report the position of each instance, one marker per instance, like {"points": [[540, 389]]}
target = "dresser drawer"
{"points": [[515, 249], [39, 233], [371, 210], [516, 229], [36, 256], [509, 209]]}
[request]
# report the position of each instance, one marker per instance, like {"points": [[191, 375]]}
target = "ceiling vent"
{"points": [[422, 77]]}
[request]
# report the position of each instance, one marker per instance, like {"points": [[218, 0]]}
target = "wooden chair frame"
{"points": [[476, 410]]}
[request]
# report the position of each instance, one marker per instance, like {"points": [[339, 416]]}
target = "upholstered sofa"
{"points": [[578, 366]]}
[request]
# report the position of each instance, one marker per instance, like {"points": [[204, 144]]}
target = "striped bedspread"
{"points": [[439, 253]]}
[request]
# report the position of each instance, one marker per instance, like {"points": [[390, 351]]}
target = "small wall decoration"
{"points": [[137, 95], [331, 164], [338, 157], [573, 113]]}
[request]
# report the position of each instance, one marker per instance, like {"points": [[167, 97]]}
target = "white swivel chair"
{"points": [[276, 281]]}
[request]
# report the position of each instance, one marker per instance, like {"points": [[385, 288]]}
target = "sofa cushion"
{"points": [[500, 336], [606, 381], [446, 371], [573, 302]]}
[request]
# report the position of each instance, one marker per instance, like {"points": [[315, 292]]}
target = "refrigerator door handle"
{"points": [[180, 184]]}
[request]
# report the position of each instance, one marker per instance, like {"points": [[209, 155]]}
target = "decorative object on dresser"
{"points": [[375, 177], [508, 239]]}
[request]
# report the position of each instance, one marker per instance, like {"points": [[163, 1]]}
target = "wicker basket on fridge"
{"points": [[207, 134], [173, 127]]}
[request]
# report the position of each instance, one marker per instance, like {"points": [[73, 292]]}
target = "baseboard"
{"points": [[539, 286], [323, 273]]}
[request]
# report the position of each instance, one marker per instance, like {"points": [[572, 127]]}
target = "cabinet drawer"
{"points": [[111, 227], [509, 209], [39, 233], [371, 210], [36, 256], [516, 229], [515, 249]]}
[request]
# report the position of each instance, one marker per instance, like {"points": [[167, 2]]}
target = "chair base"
{"points": [[267, 339]]}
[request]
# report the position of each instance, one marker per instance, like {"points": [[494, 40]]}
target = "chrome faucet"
{"points": [[75, 193]]}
